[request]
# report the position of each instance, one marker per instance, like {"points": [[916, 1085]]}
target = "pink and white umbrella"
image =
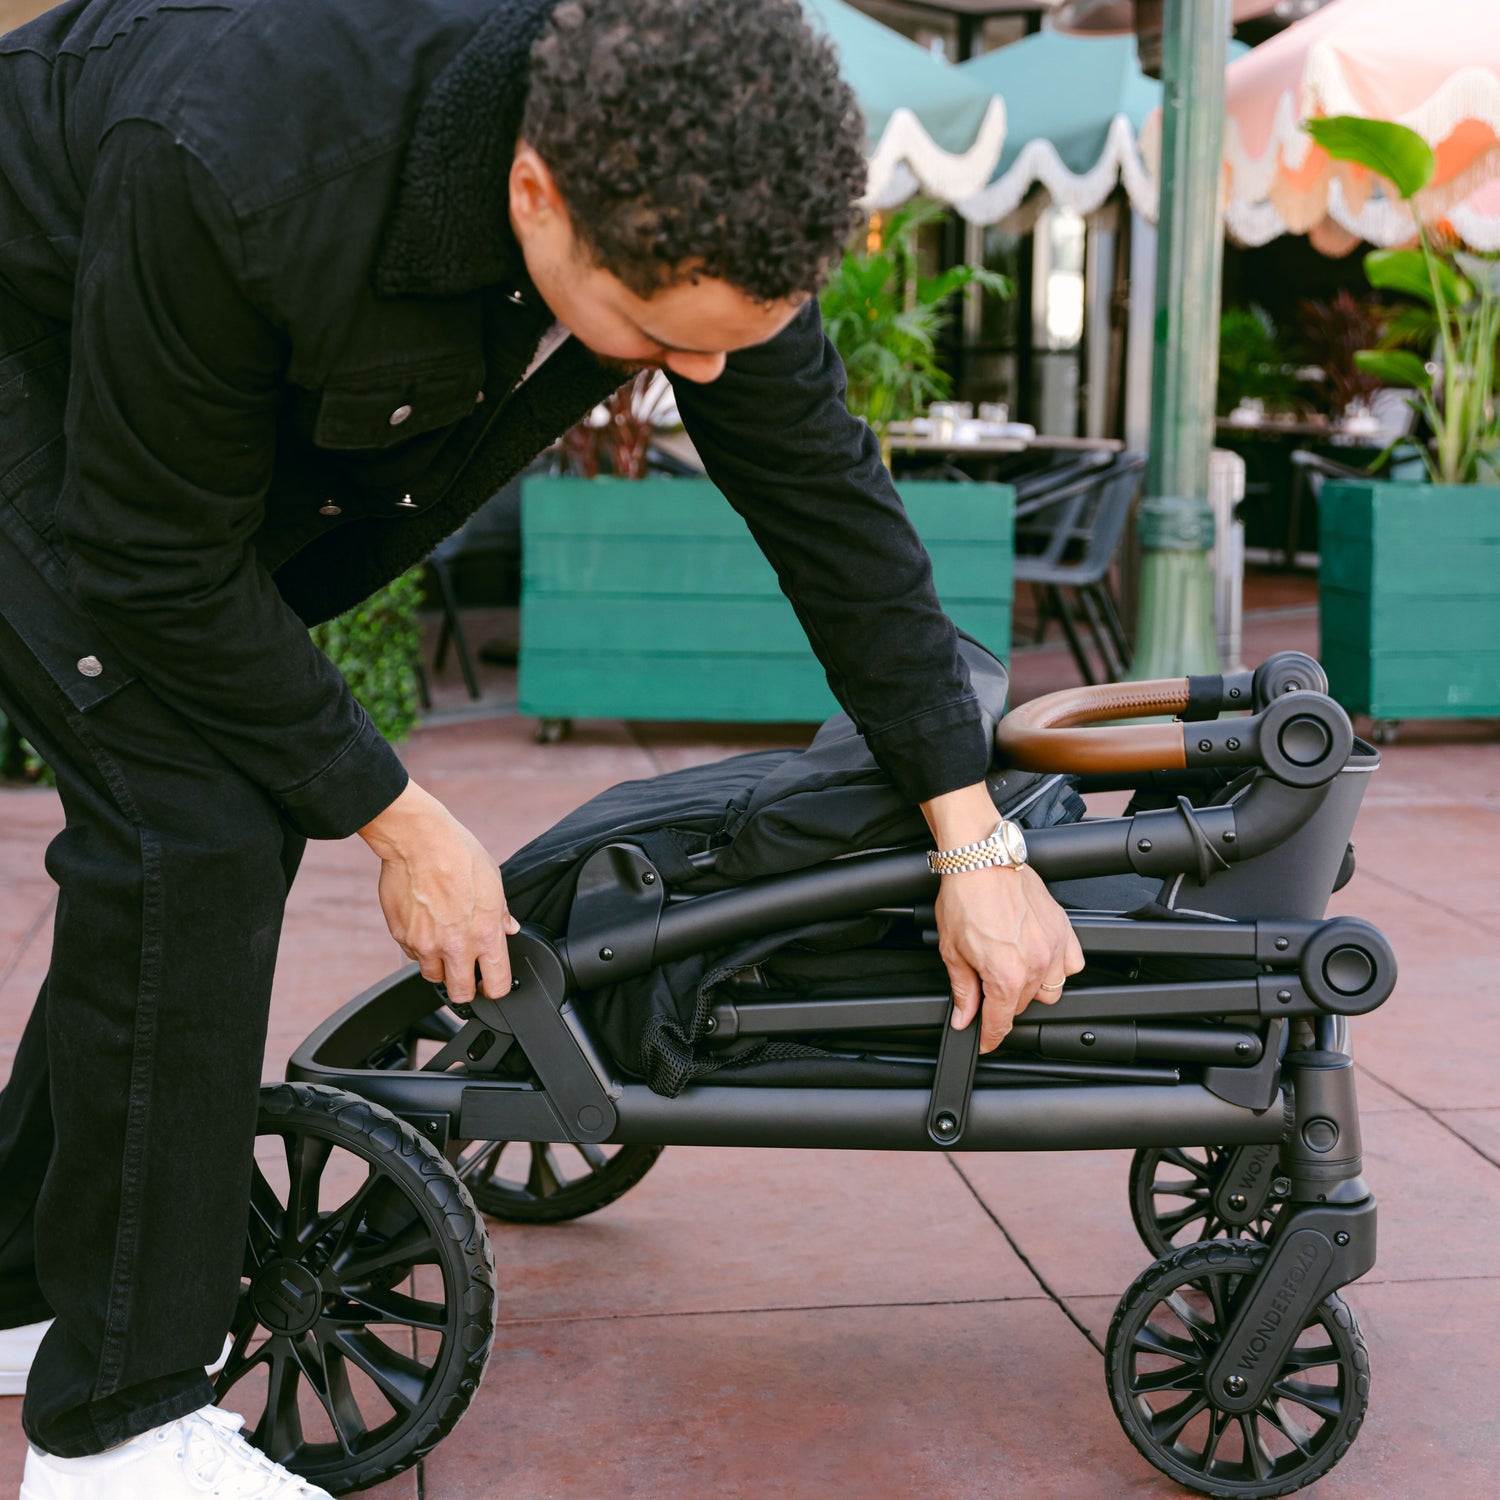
{"points": [[1433, 65]]}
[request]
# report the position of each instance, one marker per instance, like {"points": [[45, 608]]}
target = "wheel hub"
{"points": [[286, 1297]]}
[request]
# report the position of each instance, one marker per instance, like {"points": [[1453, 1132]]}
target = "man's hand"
{"points": [[441, 895], [1005, 941]]}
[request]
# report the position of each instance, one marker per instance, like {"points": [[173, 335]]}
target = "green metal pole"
{"points": [[1175, 624]]}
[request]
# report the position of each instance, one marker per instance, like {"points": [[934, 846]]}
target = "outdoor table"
{"points": [[918, 437], [988, 455]]}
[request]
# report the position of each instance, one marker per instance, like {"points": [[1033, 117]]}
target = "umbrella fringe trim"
{"points": [[1380, 221], [907, 159], [1470, 94], [1084, 192]]}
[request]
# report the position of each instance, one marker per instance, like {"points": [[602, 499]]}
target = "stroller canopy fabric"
{"points": [[929, 129], [1433, 66]]}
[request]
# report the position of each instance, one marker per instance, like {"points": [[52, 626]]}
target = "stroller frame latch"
{"points": [[953, 1083], [537, 1013]]}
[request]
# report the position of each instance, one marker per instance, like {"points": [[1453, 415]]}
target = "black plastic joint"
{"points": [[1205, 698], [1283, 995], [1348, 967], [1223, 742], [1324, 1152], [1169, 840], [1281, 942]]}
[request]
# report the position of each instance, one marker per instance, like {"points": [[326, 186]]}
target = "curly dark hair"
{"points": [[711, 136]]}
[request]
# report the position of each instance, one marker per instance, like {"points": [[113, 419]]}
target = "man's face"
{"points": [[687, 328]]}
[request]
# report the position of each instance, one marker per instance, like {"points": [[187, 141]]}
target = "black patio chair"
{"points": [[1066, 538], [1064, 468], [479, 563], [1311, 471]]}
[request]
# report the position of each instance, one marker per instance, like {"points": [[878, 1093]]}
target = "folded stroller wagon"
{"points": [[703, 962]]}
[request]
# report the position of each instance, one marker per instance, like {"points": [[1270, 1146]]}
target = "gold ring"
{"points": [[1053, 986]]}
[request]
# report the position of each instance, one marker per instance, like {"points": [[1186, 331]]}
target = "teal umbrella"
{"points": [[1076, 108], [929, 127]]}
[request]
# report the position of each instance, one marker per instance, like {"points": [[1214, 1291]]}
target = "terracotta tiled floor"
{"points": [[814, 1324]]}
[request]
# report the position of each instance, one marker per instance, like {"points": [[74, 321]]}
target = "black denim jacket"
{"points": [[262, 327]]}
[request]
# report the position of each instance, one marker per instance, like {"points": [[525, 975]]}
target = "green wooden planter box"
{"points": [[649, 600], [1409, 598]]}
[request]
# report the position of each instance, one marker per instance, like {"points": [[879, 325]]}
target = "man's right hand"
{"points": [[441, 895]]}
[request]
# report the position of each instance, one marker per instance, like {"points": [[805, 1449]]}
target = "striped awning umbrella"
{"points": [[1433, 66], [1074, 108], [930, 129]]}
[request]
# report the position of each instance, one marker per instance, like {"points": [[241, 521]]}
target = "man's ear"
{"points": [[534, 195]]}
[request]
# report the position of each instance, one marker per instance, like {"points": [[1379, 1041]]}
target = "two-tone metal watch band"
{"points": [[1006, 845]]}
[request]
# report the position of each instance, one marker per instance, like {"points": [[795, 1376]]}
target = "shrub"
{"points": [[376, 646], [884, 317]]}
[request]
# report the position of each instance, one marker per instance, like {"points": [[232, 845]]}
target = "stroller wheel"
{"points": [[1161, 1342], [366, 1310], [533, 1182], [1172, 1199]]}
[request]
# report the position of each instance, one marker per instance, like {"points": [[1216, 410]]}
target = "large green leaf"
{"points": [[1406, 271], [1398, 367], [1399, 155]]}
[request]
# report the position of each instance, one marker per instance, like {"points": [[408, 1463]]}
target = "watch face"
{"points": [[1014, 841]]}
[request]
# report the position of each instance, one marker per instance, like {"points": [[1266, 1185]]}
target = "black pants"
{"points": [[127, 1127]]}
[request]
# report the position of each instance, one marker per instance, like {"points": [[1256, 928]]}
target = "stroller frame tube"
{"points": [[1159, 842]]}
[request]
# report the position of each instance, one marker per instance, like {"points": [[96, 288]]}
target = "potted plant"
{"points": [[1409, 593], [1254, 373], [646, 598], [1335, 333], [884, 317]]}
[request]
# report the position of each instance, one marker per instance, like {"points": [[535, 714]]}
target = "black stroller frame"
{"points": [[1232, 1364]]}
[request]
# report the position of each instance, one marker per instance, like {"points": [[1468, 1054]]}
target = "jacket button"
{"points": [[400, 414], [407, 503], [330, 509], [90, 666], [519, 298]]}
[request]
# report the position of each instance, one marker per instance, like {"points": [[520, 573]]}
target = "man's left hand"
{"points": [[1005, 940]]}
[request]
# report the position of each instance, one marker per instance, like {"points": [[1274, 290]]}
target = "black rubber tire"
{"points": [[1157, 1229], [1214, 1272], [548, 1196], [410, 1209]]}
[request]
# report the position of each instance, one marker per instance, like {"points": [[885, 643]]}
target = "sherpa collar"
{"points": [[449, 232]]}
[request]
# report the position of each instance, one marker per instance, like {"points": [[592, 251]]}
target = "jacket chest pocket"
{"points": [[382, 410]]}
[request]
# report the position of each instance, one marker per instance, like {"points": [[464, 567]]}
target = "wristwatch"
{"points": [[1005, 846]]}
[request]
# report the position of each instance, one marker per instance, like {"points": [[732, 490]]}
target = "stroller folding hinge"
{"points": [[953, 1083], [1254, 1088], [557, 1047]]}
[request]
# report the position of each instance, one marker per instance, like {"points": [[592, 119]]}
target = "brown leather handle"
{"points": [[1044, 734]]}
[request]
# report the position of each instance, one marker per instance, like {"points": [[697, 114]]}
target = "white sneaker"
{"points": [[201, 1454], [18, 1348]]}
